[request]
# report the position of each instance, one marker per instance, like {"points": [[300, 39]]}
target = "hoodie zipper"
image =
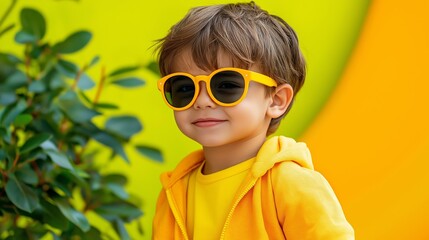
{"points": [[228, 219], [177, 215]]}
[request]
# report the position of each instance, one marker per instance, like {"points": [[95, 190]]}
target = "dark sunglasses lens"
{"points": [[227, 86], [179, 91]]}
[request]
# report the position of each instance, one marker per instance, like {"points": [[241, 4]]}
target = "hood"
{"points": [[275, 150], [280, 149]]}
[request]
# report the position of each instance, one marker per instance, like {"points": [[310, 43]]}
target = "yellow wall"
{"points": [[363, 110]]}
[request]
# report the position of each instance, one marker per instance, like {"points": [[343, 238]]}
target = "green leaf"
{"points": [[36, 87], [2, 111], [7, 98], [34, 142], [123, 70], [95, 182], [77, 234], [79, 140], [60, 158], [94, 61], [87, 129], [33, 23], [106, 106], [113, 143], [150, 152], [80, 173], [118, 190], [8, 63], [74, 109], [52, 215], [124, 210], [67, 68], [27, 175], [48, 145], [119, 227], [115, 178], [22, 120], [67, 180], [37, 50], [21, 195], [9, 59], [73, 43], [129, 82], [24, 37], [55, 80], [153, 67], [2, 155], [56, 156], [123, 126], [14, 81], [85, 82], [12, 112], [6, 134], [73, 215], [85, 97]]}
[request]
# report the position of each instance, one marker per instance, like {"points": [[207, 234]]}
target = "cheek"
{"points": [[250, 109], [182, 120], [254, 107], [179, 118], [258, 98]]}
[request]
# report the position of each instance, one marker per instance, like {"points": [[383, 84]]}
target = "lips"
{"points": [[207, 122]]}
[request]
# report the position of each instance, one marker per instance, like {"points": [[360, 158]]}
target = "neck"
{"points": [[225, 156]]}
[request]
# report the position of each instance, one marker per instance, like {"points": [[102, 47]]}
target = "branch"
{"points": [[15, 161], [6, 29], [8, 11], [100, 86]]}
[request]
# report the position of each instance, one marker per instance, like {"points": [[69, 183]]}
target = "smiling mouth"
{"points": [[207, 122]]}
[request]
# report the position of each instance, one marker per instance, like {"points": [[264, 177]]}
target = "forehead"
{"points": [[185, 62]]}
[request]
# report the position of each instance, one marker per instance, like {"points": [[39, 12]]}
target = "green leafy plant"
{"points": [[49, 179]]}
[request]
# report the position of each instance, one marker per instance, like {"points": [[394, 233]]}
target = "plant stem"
{"points": [[6, 29], [15, 161], [8, 11], [76, 80], [27, 63], [90, 207], [38, 172], [100, 86], [80, 154], [4, 175]]}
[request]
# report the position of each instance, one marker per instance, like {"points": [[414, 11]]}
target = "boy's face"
{"points": [[212, 125]]}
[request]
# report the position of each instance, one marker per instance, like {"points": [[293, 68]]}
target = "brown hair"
{"points": [[247, 33]]}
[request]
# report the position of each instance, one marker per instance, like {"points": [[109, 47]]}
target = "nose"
{"points": [[203, 99]]}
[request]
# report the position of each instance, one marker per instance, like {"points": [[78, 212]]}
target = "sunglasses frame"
{"points": [[247, 76]]}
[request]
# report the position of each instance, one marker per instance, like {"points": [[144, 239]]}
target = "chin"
{"points": [[209, 141]]}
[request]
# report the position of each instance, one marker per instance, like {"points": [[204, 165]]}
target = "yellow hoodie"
{"points": [[282, 197]]}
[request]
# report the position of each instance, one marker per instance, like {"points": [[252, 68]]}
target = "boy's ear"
{"points": [[281, 99]]}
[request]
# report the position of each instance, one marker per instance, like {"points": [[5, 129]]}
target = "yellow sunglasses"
{"points": [[225, 86]]}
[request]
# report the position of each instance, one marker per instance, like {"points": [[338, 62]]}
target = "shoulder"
{"points": [[293, 171], [295, 181], [306, 202]]}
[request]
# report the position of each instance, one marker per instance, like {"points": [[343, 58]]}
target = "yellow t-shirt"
{"points": [[210, 199]]}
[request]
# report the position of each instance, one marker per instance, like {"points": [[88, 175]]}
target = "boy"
{"points": [[230, 74]]}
